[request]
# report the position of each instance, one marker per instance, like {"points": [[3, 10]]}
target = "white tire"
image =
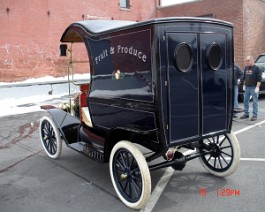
{"points": [[225, 158], [50, 137], [130, 175]]}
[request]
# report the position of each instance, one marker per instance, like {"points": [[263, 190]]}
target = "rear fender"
{"points": [[143, 138]]}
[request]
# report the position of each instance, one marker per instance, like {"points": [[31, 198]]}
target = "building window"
{"points": [[125, 4]]}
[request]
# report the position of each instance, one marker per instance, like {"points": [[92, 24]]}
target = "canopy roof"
{"points": [[93, 28]]}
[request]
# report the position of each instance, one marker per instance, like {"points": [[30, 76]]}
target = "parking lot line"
{"points": [[158, 190], [253, 159], [249, 127]]}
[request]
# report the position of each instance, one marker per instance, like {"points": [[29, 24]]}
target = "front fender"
{"points": [[67, 124]]}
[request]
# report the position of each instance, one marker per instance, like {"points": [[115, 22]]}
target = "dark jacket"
{"points": [[238, 74], [252, 75]]}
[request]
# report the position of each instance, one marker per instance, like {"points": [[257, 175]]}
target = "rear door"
{"points": [[183, 88], [214, 82], [197, 84]]}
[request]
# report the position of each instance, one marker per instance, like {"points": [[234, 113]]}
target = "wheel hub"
{"points": [[123, 176], [126, 175], [216, 151]]}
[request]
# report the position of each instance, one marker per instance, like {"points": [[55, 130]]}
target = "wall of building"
{"points": [[31, 32], [253, 27]]}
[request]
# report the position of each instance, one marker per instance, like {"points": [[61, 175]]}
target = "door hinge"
{"points": [[167, 127], [166, 83]]}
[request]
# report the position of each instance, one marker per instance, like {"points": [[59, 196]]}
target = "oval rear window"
{"points": [[183, 57], [215, 56]]}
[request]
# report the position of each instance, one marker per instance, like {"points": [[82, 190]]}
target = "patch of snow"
{"points": [[47, 79], [28, 96]]}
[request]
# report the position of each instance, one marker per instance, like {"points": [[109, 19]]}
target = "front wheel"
{"points": [[222, 156], [130, 174], [50, 137]]}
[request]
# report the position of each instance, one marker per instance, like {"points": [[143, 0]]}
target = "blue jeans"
{"points": [[236, 96], [250, 91]]}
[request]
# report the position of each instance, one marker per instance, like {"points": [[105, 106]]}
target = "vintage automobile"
{"points": [[163, 85]]}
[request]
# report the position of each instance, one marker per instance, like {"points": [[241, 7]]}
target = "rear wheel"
{"points": [[222, 156], [130, 174], [50, 137]]}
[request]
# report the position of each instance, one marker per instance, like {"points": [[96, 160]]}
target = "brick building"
{"points": [[31, 29]]}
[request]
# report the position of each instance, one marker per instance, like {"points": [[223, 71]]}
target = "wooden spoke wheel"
{"points": [[50, 137], [223, 155], [130, 174]]}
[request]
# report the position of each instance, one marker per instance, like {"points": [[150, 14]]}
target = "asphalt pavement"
{"points": [[30, 181]]}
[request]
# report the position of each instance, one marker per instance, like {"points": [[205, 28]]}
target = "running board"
{"points": [[88, 150]]}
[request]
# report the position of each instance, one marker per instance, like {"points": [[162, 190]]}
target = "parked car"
{"points": [[260, 62]]}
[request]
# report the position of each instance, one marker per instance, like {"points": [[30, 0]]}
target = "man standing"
{"points": [[251, 83]]}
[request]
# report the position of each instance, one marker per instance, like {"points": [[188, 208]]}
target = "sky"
{"points": [[169, 2]]}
